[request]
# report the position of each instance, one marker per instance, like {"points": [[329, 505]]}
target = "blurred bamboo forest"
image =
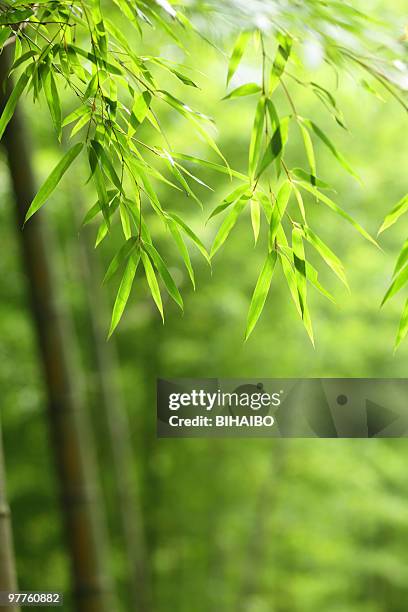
{"points": [[207, 525]]}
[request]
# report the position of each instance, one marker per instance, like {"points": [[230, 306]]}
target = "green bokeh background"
{"points": [[251, 525]]}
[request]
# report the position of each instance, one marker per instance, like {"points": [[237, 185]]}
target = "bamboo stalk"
{"points": [[68, 423]]}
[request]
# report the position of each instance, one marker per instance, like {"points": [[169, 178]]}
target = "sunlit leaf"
{"points": [[124, 291], [248, 89], [237, 53], [399, 281], [12, 102], [53, 179], [260, 293], [152, 282], [398, 210], [227, 225], [403, 327]]}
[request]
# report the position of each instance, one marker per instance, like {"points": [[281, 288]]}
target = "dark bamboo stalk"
{"points": [[8, 577], [112, 406], [69, 428]]}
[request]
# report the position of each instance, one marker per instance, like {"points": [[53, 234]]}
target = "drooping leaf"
{"points": [[53, 179], [399, 281], [301, 277], [53, 101], [403, 327], [275, 146], [278, 211], [178, 239], [260, 293], [237, 53], [229, 200], [310, 178], [326, 200], [227, 225], [324, 138], [189, 232], [12, 102], [255, 218], [256, 137], [121, 256], [398, 210], [326, 253], [249, 89], [164, 274], [152, 282], [124, 291], [279, 64], [402, 258]]}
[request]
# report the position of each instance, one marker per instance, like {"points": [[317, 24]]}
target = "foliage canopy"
{"points": [[74, 45]]}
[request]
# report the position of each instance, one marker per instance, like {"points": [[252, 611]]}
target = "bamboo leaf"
{"points": [[308, 148], [324, 138], [326, 253], [237, 53], [227, 225], [12, 102], [178, 239], [260, 293], [403, 327], [275, 146], [152, 282], [210, 165], [278, 211], [164, 274], [229, 200], [323, 198], [189, 232], [279, 64], [300, 273], [402, 258], [256, 137], [255, 219], [310, 178], [53, 179], [248, 89], [53, 101], [124, 292], [399, 281], [398, 210], [121, 256]]}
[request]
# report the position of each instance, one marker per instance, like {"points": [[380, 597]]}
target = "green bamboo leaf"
{"points": [[326, 253], [301, 277], [53, 179], [124, 291], [152, 282], [12, 102], [402, 258], [255, 219], [229, 200], [189, 232], [324, 138], [275, 146], [323, 198], [308, 148], [256, 137], [260, 293], [140, 109], [248, 89], [178, 239], [237, 53], [4, 34], [399, 281], [403, 327], [76, 114], [227, 225], [121, 256], [164, 273], [53, 101], [278, 211], [310, 178], [300, 202], [395, 214], [210, 165], [279, 64]]}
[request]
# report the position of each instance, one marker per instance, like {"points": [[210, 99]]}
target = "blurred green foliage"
{"points": [[251, 525]]}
